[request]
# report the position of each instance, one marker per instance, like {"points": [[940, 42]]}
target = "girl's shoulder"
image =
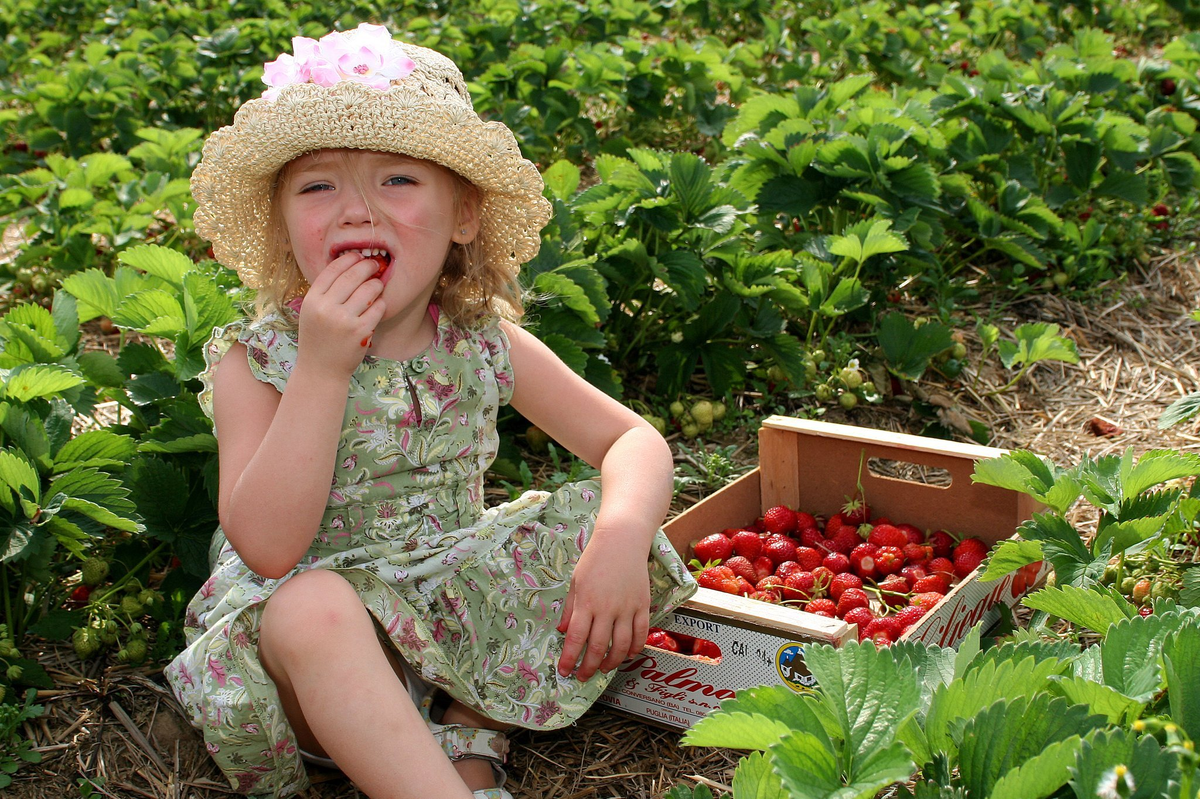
{"points": [[270, 342]]}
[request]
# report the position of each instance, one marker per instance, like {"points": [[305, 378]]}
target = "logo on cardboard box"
{"points": [[789, 662]]}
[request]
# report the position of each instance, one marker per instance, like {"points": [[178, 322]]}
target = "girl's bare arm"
{"points": [[608, 607]]}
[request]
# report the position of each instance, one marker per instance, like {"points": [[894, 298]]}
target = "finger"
{"points": [[622, 640], [641, 630], [568, 606], [599, 642], [352, 279], [574, 643], [334, 270]]}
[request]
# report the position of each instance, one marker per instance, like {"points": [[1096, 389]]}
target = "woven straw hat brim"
{"points": [[232, 185]]}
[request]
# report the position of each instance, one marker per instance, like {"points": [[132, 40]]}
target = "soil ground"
{"points": [[120, 728]]}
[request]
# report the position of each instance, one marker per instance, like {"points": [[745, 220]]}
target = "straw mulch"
{"points": [[121, 729]]}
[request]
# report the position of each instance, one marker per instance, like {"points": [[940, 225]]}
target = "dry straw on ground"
{"points": [[119, 727]]}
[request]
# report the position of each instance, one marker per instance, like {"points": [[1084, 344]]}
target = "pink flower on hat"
{"points": [[367, 54]]}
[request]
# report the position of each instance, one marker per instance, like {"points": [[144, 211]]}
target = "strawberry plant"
{"points": [[1028, 718], [1143, 506], [15, 748]]}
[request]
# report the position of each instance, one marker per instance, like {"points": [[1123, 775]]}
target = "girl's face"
{"points": [[404, 210]]}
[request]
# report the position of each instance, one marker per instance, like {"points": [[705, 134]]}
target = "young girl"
{"points": [[365, 610]]}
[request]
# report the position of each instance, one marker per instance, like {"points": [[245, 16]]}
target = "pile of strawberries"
{"points": [[881, 576]]}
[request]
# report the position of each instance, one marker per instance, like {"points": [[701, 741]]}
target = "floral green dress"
{"points": [[468, 595]]}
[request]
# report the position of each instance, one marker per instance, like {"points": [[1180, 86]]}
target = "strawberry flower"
{"points": [[367, 55]]}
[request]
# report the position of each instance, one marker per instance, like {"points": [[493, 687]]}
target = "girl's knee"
{"points": [[310, 605]]}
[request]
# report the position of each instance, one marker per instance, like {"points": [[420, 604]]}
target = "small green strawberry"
{"points": [[702, 412], [131, 605], [676, 409], [94, 571], [86, 642], [135, 651]]}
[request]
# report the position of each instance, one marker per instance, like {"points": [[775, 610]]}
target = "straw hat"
{"points": [[361, 90]]}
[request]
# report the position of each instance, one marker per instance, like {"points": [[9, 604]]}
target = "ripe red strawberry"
{"points": [[787, 569], [912, 573], [765, 596], [704, 648], [862, 561], [811, 537], [942, 543], [927, 599], [941, 566], [884, 535], [763, 566], [972, 545], [915, 534], [662, 639], [808, 558], [742, 568], [843, 581], [381, 263], [780, 549], [907, 617], [856, 511], [832, 524], [934, 582], [917, 553], [850, 599], [823, 577], [860, 616], [1146, 610], [836, 562], [743, 587], [894, 590], [966, 562], [799, 585], [780, 519], [747, 543], [885, 624], [719, 578], [822, 607], [770, 583], [81, 594], [889, 560], [715, 547], [845, 539], [882, 639]]}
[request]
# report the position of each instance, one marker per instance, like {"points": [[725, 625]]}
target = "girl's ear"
{"points": [[468, 217]]}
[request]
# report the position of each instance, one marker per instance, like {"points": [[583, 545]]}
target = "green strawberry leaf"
{"points": [[205, 307], [39, 381], [151, 311], [810, 771], [1181, 664], [756, 718], [1099, 698], [1019, 731], [562, 179], [570, 293], [99, 448], [162, 262], [1036, 342], [1130, 652], [978, 688], [868, 691], [908, 348], [755, 777], [1189, 593], [17, 475], [1180, 410], [96, 293], [1088, 608], [1009, 556], [867, 238], [100, 369], [26, 431], [1152, 769]]}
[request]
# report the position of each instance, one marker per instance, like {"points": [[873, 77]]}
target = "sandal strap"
{"points": [[459, 741], [492, 793]]}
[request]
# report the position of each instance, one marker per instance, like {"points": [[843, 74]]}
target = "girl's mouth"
{"points": [[381, 257]]}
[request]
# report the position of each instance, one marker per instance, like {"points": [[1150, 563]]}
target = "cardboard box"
{"points": [[814, 466]]}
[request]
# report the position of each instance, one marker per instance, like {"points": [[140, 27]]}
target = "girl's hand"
{"points": [[339, 314], [608, 606]]}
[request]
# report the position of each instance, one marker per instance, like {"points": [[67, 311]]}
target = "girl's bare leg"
{"points": [[339, 691]]}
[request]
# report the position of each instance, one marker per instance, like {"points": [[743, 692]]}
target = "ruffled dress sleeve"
{"points": [[270, 349], [493, 343]]}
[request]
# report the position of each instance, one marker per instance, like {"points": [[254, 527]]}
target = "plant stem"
{"points": [[119, 584]]}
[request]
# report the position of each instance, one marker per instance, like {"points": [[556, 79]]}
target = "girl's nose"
{"points": [[355, 208]]}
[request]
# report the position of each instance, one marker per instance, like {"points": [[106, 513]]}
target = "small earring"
{"points": [[462, 230]]}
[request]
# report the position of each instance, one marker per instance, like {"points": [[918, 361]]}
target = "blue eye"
{"points": [[398, 180], [319, 186]]}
